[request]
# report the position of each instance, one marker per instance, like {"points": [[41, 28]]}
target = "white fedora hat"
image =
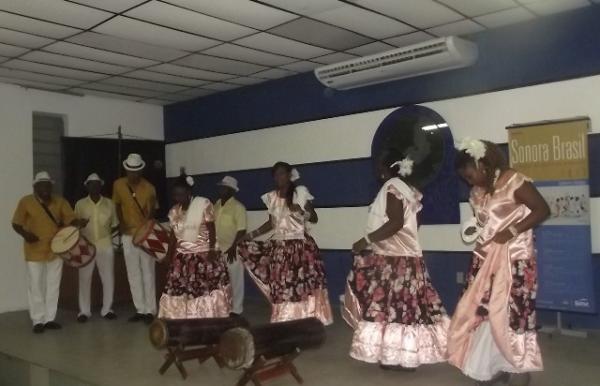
{"points": [[229, 182], [94, 177], [134, 162], [42, 177]]}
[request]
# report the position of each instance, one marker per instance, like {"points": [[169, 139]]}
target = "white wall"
{"points": [[84, 116], [480, 116]]}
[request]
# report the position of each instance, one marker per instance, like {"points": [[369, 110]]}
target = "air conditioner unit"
{"points": [[418, 59]]}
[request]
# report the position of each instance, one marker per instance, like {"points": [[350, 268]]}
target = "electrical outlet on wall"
{"points": [[460, 278]]}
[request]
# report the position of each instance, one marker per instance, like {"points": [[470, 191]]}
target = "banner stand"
{"points": [[559, 330]]}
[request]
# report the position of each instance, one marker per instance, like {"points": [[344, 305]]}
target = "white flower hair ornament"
{"points": [[295, 175], [473, 147], [405, 166], [189, 180]]}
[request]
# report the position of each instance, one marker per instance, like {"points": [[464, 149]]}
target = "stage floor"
{"points": [[117, 353]]}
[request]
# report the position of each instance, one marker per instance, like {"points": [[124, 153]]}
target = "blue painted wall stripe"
{"points": [[559, 47]]}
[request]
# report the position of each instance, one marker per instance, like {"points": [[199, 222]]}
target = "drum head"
{"points": [[64, 240], [236, 348], [159, 334]]}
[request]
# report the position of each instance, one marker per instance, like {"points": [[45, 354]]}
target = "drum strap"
{"points": [[133, 195], [49, 213]]}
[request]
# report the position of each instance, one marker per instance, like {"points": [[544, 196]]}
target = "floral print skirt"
{"points": [[522, 316], [291, 274], [397, 315], [197, 287]]}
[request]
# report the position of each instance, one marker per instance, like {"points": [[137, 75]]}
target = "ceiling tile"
{"points": [[57, 11], [111, 5], [104, 94], [301, 66], [463, 27], [212, 63], [52, 70], [334, 58], [419, 13], [247, 13], [305, 7], [274, 73], [137, 30], [221, 86], [189, 72], [320, 34], [246, 81], [153, 101], [166, 78], [71, 62], [233, 51], [143, 84], [196, 92], [36, 27], [8, 50], [95, 54], [502, 18], [268, 42], [26, 75], [22, 39], [31, 83], [364, 22], [371, 48], [190, 21], [548, 7], [127, 46], [121, 89], [408, 39], [478, 7]]}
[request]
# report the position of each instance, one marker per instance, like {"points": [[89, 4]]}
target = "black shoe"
{"points": [[52, 326], [148, 318], [38, 328], [137, 318], [110, 316], [398, 368], [82, 318]]}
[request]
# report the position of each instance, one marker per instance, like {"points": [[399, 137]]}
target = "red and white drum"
{"points": [[71, 246], [153, 238]]}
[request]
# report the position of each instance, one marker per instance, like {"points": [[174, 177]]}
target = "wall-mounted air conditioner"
{"points": [[418, 59]]}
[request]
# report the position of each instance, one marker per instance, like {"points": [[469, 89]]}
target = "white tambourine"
{"points": [[468, 225]]}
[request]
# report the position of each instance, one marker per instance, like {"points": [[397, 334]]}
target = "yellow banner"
{"points": [[550, 151]]}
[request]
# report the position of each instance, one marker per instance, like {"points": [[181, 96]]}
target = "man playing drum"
{"points": [[135, 201], [37, 219], [101, 215]]}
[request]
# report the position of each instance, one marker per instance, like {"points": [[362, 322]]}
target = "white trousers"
{"points": [[236, 276], [44, 288], [140, 273], [105, 261]]}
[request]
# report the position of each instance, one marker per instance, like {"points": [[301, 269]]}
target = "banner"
{"points": [[555, 155]]}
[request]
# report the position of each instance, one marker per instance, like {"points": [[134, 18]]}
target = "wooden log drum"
{"points": [[266, 352], [188, 339]]}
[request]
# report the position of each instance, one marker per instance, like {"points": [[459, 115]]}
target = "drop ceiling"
{"points": [[167, 51]]}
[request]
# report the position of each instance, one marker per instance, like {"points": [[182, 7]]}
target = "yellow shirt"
{"points": [[102, 219], [145, 194], [33, 218], [229, 220]]}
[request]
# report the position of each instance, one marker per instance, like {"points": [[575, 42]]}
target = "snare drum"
{"points": [[153, 238], [71, 246]]}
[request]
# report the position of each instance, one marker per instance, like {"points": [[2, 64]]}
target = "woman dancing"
{"points": [[397, 315], [492, 336], [197, 282], [287, 268]]}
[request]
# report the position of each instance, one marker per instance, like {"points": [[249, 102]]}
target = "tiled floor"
{"points": [[118, 353]]}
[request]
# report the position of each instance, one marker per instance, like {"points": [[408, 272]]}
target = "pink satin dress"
{"points": [[390, 301], [493, 327], [197, 287]]}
